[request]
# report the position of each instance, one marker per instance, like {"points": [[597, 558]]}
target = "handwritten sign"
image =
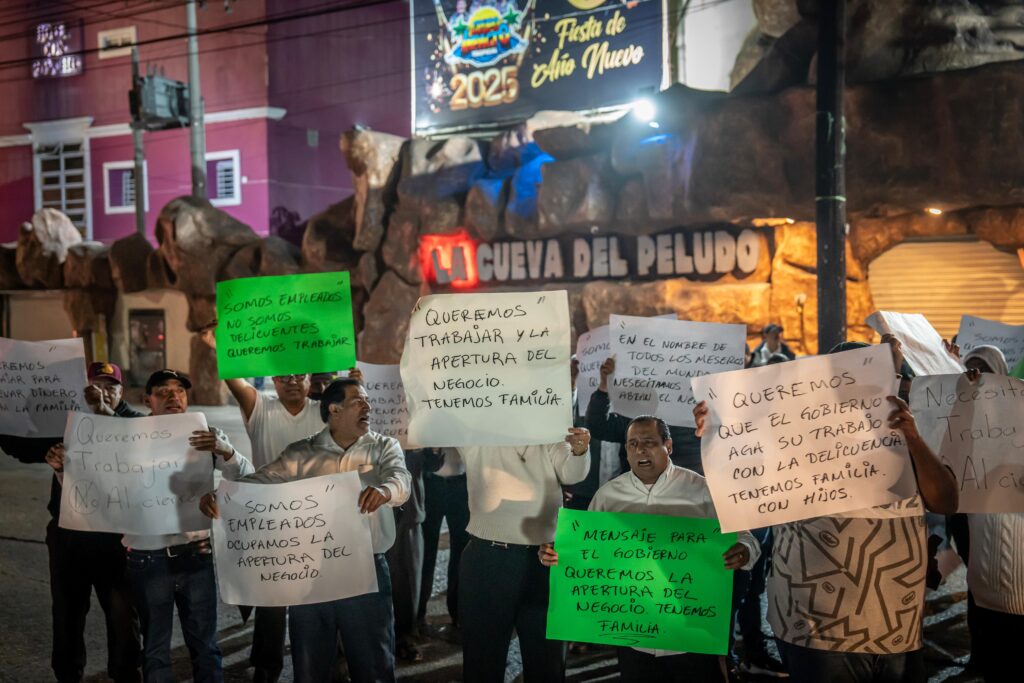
{"points": [[655, 359], [976, 332], [978, 430], [592, 349], [804, 439], [922, 345], [284, 325], [488, 369], [295, 543], [134, 476], [40, 382], [641, 580], [390, 415]]}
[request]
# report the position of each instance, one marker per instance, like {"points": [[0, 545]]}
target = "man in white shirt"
{"points": [[365, 623], [514, 496], [655, 486], [177, 569], [272, 421]]}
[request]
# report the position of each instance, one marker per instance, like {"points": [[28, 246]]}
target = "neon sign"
{"points": [[56, 51]]}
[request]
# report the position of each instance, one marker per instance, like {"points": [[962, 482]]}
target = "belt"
{"points": [[505, 546], [200, 547]]}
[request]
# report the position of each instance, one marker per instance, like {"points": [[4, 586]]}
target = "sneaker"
{"points": [[763, 665]]}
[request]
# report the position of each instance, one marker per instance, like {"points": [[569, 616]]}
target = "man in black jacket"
{"points": [[605, 425], [81, 561]]}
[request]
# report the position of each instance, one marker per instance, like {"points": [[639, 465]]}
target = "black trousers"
{"points": [[505, 589], [268, 633], [640, 667], [998, 636], [405, 562], [446, 498], [80, 562]]}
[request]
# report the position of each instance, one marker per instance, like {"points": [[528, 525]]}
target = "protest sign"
{"points": [[922, 345], [655, 358], [296, 543], [975, 332], [488, 369], [976, 429], [390, 414], [641, 581], [40, 382], [803, 439], [134, 476], [284, 325], [592, 349]]}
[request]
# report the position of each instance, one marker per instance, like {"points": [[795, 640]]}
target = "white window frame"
{"points": [[120, 32], [70, 131], [120, 166], [233, 155]]}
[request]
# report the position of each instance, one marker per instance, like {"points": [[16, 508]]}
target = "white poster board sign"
{"points": [[40, 383], [488, 369], [922, 345], [296, 543], [978, 431], [655, 359], [976, 332], [592, 349], [134, 475], [798, 440], [390, 414]]}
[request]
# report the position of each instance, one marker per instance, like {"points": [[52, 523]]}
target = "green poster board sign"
{"points": [[284, 325], [641, 581]]}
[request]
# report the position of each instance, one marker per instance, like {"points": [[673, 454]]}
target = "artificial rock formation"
{"points": [[386, 320], [373, 159], [43, 247], [129, 257], [88, 265], [327, 242], [85, 306], [197, 240]]}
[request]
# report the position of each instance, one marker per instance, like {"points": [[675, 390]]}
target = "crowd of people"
{"points": [[845, 594]]}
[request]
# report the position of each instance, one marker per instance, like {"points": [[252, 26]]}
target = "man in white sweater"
{"points": [[514, 496], [655, 486], [365, 623]]}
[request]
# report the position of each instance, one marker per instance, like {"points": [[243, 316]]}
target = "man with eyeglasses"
{"points": [[272, 421], [177, 569], [365, 623]]}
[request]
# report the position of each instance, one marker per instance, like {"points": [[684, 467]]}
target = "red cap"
{"points": [[104, 370]]}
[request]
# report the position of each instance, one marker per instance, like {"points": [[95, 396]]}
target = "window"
{"points": [[62, 180], [223, 184], [119, 187], [116, 42]]}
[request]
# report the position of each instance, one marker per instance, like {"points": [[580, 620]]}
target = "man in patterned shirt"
{"points": [[846, 595]]}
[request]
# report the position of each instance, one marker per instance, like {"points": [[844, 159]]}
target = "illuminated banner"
{"points": [[56, 49], [460, 262], [489, 61]]}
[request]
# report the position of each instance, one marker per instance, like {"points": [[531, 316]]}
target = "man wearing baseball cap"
{"points": [[177, 569], [83, 561]]}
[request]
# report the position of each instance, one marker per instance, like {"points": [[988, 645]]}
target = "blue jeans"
{"points": [[366, 624], [160, 582], [808, 665]]}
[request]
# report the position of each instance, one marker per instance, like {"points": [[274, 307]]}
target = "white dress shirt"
{"points": [[377, 458]]}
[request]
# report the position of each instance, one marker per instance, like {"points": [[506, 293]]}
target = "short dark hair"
{"points": [[663, 430], [772, 327], [335, 393]]}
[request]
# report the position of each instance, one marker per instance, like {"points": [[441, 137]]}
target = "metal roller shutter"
{"points": [[946, 279]]}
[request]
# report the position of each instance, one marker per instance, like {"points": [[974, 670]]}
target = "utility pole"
{"points": [[140, 158], [830, 175], [195, 101]]}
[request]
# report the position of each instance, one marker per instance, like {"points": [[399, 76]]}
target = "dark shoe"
{"points": [[763, 665], [261, 675], [407, 651]]}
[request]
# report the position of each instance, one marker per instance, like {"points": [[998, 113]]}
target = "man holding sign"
{"points": [[272, 423], [846, 595], [364, 623], [655, 486]]}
